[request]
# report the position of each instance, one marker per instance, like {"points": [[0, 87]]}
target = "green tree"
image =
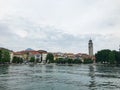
{"points": [[61, 60], [0, 56], [69, 61], [88, 61], [21, 60], [103, 56], [50, 58], [6, 57], [17, 60], [77, 61], [14, 59], [58, 60], [117, 57], [111, 57], [32, 59]]}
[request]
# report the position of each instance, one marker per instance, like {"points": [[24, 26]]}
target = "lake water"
{"points": [[53, 77]]}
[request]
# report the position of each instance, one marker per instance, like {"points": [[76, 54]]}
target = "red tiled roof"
{"points": [[33, 52], [17, 53]]}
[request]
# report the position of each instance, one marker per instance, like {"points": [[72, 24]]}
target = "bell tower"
{"points": [[90, 47]]}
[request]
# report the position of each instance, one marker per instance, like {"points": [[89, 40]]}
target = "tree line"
{"points": [[50, 59], [5, 58], [103, 56], [108, 56]]}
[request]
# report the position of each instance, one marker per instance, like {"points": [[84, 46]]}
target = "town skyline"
{"points": [[90, 50], [60, 26]]}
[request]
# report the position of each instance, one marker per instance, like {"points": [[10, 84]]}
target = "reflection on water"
{"points": [[92, 75], [53, 77], [3, 73]]}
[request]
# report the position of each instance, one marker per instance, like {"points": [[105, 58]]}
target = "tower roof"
{"points": [[90, 41]]}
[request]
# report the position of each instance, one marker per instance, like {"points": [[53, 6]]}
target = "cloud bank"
{"points": [[64, 25]]}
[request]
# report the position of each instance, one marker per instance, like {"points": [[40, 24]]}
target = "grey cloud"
{"points": [[50, 38], [53, 37], [63, 25]]}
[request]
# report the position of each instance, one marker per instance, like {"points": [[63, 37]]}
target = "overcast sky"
{"points": [[60, 25]]}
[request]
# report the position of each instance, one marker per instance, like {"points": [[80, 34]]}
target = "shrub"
{"points": [[88, 61]]}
